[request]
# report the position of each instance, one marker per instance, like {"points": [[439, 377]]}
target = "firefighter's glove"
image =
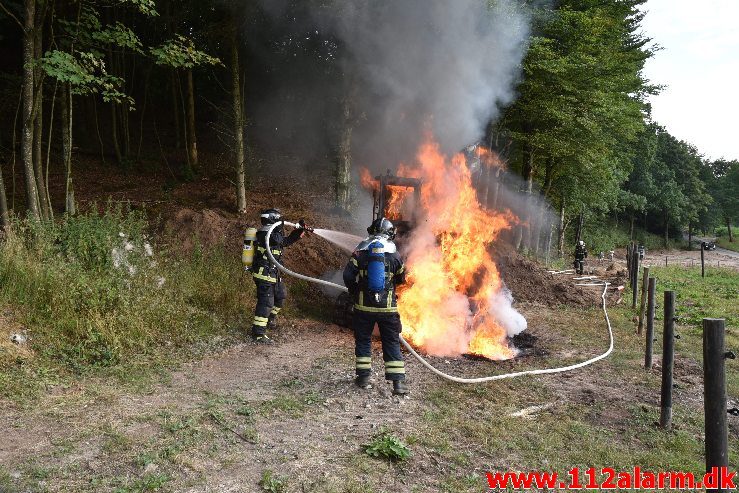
{"points": [[303, 227]]}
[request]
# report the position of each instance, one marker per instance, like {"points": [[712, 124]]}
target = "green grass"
{"points": [[91, 307], [696, 298], [724, 242]]}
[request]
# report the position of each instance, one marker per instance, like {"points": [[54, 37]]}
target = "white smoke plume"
{"points": [[501, 308]]}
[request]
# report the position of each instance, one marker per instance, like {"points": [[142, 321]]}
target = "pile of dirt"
{"points": [[210, 228], [206, 229], [531, 282]]}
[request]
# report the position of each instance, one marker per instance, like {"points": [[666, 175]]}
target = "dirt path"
{"points": [[221, 423], [692, 258]]}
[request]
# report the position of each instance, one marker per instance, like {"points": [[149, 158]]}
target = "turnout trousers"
{"points": [[390, 327], [270, 297]]}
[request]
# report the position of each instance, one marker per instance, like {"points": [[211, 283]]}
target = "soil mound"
{"points": [[531, 282], [209, 228]]}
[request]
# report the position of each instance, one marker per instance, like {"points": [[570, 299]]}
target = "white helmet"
{"points": [[581, 243]]}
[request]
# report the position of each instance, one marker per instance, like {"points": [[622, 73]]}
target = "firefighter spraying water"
{"points": [[271, 291]]}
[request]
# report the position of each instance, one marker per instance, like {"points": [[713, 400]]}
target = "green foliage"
{"points": [[118, 35], [605, 235], [146, 7], [180, 52], [581, 100], [85, 73], [272, 483], [387, 446]]}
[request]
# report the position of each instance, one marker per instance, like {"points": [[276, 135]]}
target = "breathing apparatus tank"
{"points": [[247, 254], [376, 269]]}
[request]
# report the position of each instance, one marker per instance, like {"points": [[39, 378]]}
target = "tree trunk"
{"points": [[527, 173], [143, 112], [344, 158], [485, 183], [97, 129], [496, 189], [38, 122], [4, 215], [28, 103], [176, 110], [38, 170], [114, 133], [667, 229], [67, 109], [192, 144], [539, 226], [580, 222], [631, 229], [238, 124], [48, 150], [728, 227], [690, 236], [561, 240]]}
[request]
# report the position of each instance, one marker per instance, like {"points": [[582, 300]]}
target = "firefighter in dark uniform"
{"points": [[270, 288], [581, 253], [371, 276]]}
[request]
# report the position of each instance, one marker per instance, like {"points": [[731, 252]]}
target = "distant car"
{"points": [[708, 245]]}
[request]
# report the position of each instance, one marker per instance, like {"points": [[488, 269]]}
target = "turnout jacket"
{"points": [[580, 252], [355, 279], [262, 268]]}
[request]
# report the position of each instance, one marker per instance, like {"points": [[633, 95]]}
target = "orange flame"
{"points": [[397, 195], [489, 158], [393, 209], [446, 306], [368, 182]]}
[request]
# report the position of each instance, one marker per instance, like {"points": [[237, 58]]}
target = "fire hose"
{"points": [[428, 365]]}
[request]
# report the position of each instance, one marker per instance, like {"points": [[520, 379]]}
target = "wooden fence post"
{"points": [[650, 325], [642, 305], [635, 278], [668, 357], [714, 394]]}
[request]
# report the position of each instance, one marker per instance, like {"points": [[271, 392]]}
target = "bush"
{"points": [[95, 294]]}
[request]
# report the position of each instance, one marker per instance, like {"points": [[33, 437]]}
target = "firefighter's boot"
{"points": [[400, 388], [362, 381], [272, 322], [261, 339]]}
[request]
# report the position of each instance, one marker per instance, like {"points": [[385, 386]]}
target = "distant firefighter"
{"points": [[270, 288], [372, 275], [581, 253]]}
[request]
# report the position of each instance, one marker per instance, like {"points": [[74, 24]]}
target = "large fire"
{"points": [[449, 305]]}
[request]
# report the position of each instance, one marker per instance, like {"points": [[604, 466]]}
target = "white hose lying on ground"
{"points": [[426, 363]]}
